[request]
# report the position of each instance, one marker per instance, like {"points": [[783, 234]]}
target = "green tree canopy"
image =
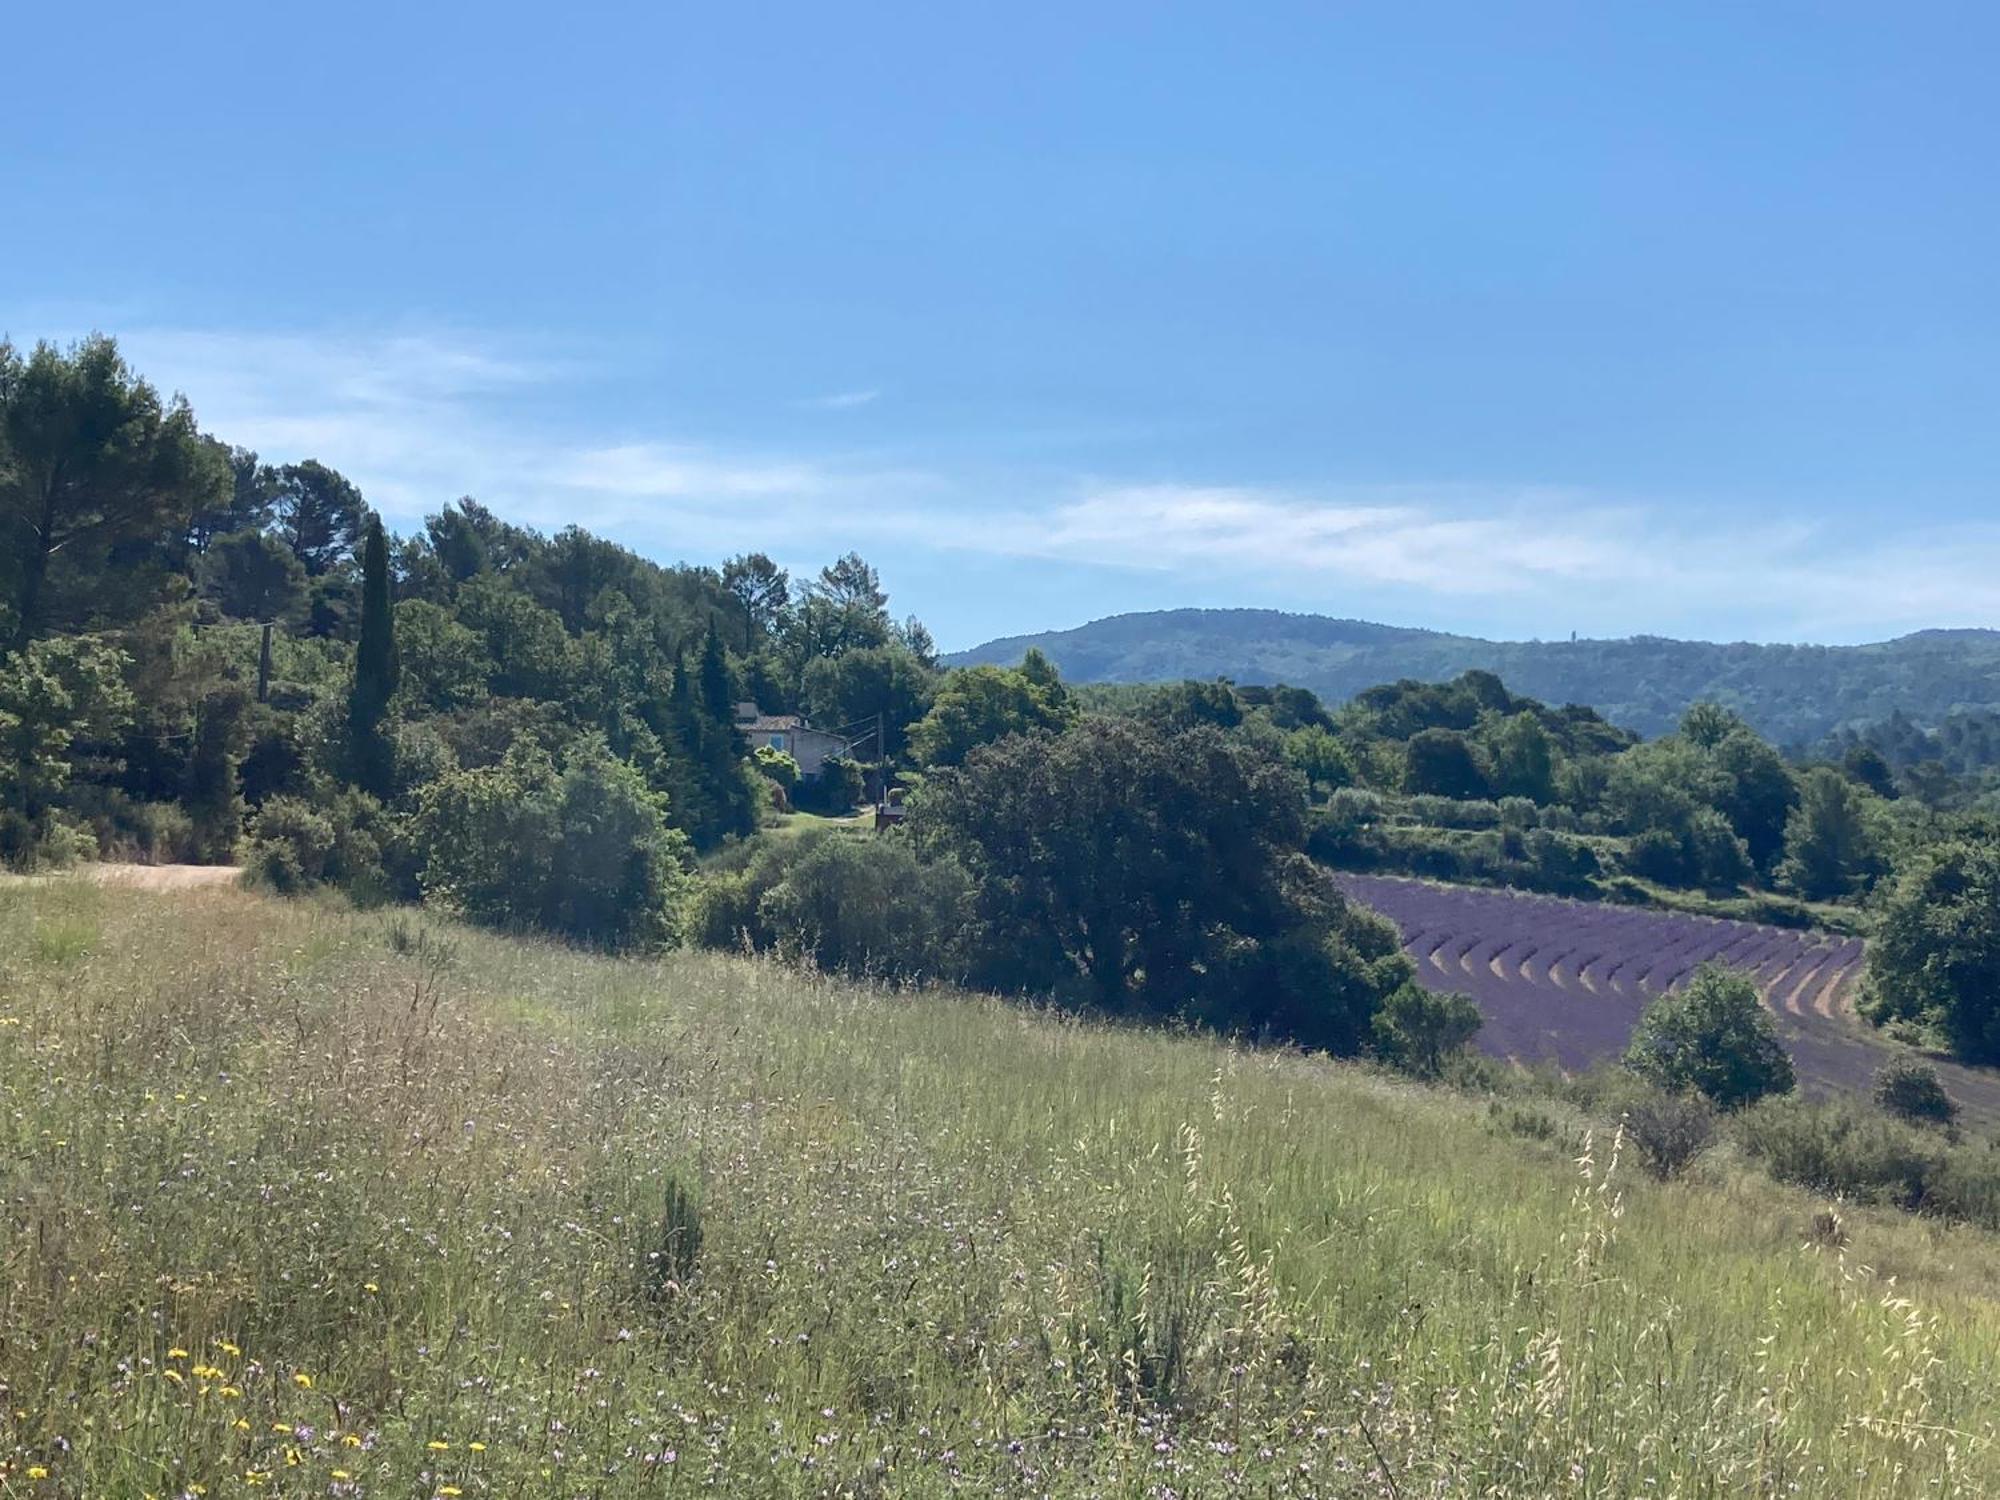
{"points": [[1831, 846], [977, 705], [1714, 1037], [1935, 956], [94, 466], [320, 515], [1154, 875]]}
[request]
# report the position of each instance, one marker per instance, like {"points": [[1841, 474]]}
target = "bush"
{"points": [[1714, 1037], [125, 828], [1669, 1131], [1419, 1030], [53, 841], [1911, 1090], [859, 905], [290, 845], [583, 851], [834, 793], [1837, 1147], [777, 767], [347, 840]]}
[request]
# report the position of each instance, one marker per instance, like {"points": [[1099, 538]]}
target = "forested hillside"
{"points": [[1792, 695]]}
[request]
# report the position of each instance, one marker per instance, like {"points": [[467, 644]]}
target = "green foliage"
{"points": [[850, 689], [54, 695], [320, 515], [857, 904], [1441, 763], [1839, 1147], [210, 791], [1790, 694], [583, 851], [1154, 876], [249, 575], [1911, 1090], [1935, 957], [97, 473], [980, 705], [1831, 848], [1320, 757], [776, 767], [444, 665], [377, 672], [1419, 1030], [1715, 1037]]}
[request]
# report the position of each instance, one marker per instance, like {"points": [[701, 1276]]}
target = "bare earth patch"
{"points": [[145, 877]]}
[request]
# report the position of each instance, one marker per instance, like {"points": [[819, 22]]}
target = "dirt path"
{"points": [[145, 877]]}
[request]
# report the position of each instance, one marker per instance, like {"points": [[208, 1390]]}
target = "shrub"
{"points": [[834, 792], [860, 905], [290, 845], [340, 841], [1835, 1146], [1669, 1131], [1911, 1090], [583, 851], [777, 767], [1714, 1037], [1419, 1029]]}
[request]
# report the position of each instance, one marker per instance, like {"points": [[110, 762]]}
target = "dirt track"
{"points": [[146, 877]]}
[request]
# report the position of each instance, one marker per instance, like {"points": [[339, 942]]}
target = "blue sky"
{"points": [[1513, 318]]}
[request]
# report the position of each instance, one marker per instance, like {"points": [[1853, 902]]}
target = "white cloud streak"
{"points": [[841, 400], [417, 420]]}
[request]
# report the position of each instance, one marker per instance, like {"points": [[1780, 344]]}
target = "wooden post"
{"points": [[264, 666]]}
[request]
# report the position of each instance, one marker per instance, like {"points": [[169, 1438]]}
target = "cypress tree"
{"points": [[376, 669]]}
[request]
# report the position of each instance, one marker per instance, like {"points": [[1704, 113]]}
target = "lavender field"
{"points": [[1564, 981]]}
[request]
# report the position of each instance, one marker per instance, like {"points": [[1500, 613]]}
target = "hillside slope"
{"points": [[377, 1205], [1791, 694]]}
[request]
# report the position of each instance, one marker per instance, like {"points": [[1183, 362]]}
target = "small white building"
{"points": [[810, 747]]}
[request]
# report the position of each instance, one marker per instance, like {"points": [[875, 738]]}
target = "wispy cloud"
{"points": [[418, 419], [1613, 567], [841, 400]]}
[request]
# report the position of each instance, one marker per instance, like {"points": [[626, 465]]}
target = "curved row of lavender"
{"points": [[1564, 981]]}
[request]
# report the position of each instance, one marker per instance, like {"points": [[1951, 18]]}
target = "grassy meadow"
{"points": [[305, 1202]]}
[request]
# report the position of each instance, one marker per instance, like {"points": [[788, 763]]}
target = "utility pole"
{"points": [[264, 666]]}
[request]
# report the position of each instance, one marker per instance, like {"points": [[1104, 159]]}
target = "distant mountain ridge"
{"points": [[1795, 695]]}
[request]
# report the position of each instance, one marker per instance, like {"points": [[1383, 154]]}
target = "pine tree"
{"points": [[376, 670]]}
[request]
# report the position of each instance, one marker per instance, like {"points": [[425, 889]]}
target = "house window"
{"points": [[777, 742]]}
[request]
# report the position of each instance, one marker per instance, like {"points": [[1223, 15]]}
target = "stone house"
{"points": [[810, 747]]}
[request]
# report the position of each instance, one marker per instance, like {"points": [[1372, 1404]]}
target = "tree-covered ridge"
{"points": [[1791, 694]]}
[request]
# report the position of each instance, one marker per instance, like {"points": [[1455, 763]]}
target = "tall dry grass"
{"points": [[313, 1203]]}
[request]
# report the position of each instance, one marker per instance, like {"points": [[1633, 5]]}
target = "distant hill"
{"points": [[1794, 695]]}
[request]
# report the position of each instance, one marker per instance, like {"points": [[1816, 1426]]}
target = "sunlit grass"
{"points": [[316, 1202]]}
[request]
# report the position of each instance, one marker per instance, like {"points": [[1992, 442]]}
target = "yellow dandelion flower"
{"points": [[37, 1471], [241, 1424], [477, 1447], [370, 1288], [292, 1458], [256, 1476], [175, 1376], [437, 1447], [231, 1392], [281, 1427], [342, 1474], [351, 1440], [449, 1490], [302, 1380], [229, 1349], [177, 1354]]}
